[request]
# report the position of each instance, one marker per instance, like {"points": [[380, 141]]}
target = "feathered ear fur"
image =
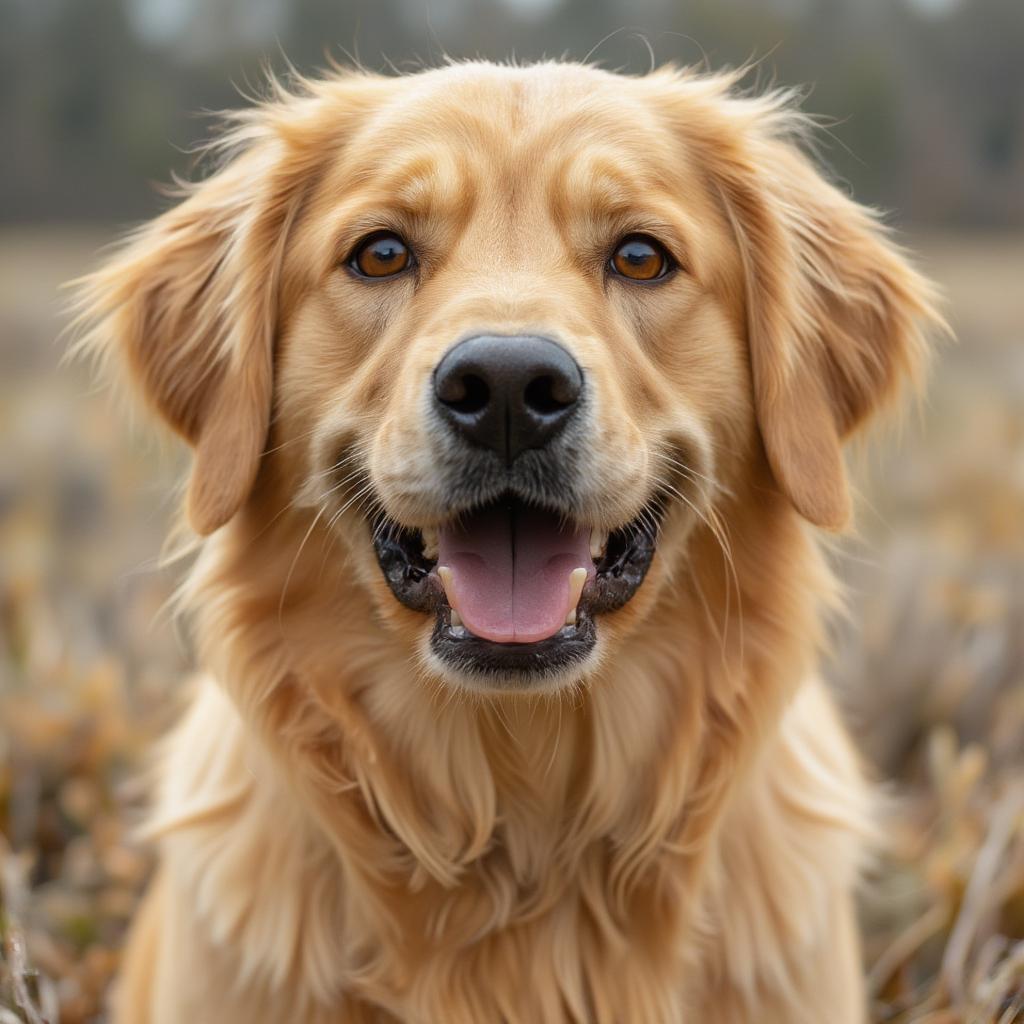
{"points": [[835, 317], [835, 314], [189, 303]]}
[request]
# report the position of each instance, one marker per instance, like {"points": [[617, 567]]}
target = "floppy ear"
{"points": [[190, 306], [835, 314]]}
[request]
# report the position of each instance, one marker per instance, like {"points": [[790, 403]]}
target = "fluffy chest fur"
{"points": [[516, 395], [358, 838]]}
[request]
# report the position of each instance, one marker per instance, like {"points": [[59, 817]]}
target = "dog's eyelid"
{"points": [[353, 231], [669, 263], [365, 264]]}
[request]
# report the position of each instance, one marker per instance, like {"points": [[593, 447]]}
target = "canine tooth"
{"points": [[598, 543], [576, 580], [445, 575], [431, 541]]}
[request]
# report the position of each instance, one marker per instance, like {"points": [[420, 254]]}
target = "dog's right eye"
{"points": [[382, 254], [640, 258]]}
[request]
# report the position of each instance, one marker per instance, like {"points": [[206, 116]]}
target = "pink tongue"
{"points": [[510, 572]]}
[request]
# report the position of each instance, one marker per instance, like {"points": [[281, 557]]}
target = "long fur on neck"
{"points": [[462, 858]]}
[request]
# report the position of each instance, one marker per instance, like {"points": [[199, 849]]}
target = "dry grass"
{"points": [[930, 665]]}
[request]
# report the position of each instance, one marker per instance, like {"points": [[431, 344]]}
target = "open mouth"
{"points": [[515, 588]]}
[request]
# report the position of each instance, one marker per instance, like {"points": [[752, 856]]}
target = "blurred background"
{"points": [[923, 102]]}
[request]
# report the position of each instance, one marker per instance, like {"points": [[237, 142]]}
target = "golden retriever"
{"points": [[516, 397]]}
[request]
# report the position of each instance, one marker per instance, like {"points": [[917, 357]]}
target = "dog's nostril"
{"points": [[507, 393], [466, 394], [546, 395]]}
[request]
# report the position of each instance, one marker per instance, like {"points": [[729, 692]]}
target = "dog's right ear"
{"points": [[836, 318], [188, 306]]}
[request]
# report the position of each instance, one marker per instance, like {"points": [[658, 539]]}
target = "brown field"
{"points": [[929, 662]]}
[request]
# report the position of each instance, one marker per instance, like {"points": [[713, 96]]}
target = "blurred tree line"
{"points": [[925, 98]]}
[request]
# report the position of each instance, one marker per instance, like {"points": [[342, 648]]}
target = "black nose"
{"points": [[508, 393]]}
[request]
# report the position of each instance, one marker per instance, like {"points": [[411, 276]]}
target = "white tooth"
{"points": [[576, 580], [445, 574], [431, 541], [598, 543]]}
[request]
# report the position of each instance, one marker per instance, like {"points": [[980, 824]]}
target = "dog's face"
{"points": [[510, 358], [516, 330]]}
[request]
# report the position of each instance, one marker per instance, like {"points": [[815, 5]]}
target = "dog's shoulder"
{"points": [[791, 845]]}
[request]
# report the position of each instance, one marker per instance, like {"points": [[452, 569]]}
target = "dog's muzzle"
{"points": [[516, 575]]}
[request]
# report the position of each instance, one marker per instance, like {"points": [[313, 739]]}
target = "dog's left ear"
{"points": [[835, 314]]}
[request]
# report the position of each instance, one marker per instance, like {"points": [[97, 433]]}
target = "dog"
{"points": [[517, 398]]}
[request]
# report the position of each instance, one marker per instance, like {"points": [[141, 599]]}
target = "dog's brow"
{"points": [[415, 180], [605, 181], [421, 182]]}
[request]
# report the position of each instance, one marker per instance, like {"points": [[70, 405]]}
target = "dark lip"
{"points": [[620, 573], [511, 666]]}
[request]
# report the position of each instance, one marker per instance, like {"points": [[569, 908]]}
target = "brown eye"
{"points": [[641, 258], [382, 254]]}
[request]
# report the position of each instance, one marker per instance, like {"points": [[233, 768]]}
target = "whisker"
{"points": [[718, 530], [363, 491], [305, 435], [714, 485], [357, 452], [291, 569]]}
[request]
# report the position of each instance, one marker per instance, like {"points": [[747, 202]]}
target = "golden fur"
{"points": [[348, 832]]}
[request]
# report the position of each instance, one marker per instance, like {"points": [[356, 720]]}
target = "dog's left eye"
{"points": [[382, 254], [640, 258]]}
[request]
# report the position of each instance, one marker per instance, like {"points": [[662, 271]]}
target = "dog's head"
{"points": [[509, 332]]}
